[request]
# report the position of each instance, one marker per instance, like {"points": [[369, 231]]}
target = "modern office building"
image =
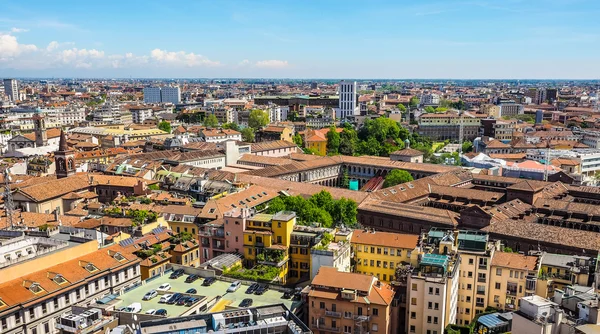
{"points": [[164, 94], [511, 109], [347, 105], [11, 89]]}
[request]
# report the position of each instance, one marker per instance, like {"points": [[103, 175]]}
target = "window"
{"points": [[498, 271], [33, 330], [46, 327], [497, 286], [44, 308], [322, 305], [435, 320], [3, 323], [436, 306], [429, 305], [412, 329], [413, 315], [471, 262], [375, 311], [413, 301], [428, 319], [437, 291], [414, 287], [374, 327], [31, 313], [430, 290], [55, 304]]}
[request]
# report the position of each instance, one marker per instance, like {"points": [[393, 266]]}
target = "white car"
{"points": [[165, 298], [150, 294], [134, 308], [164, 287], [150, 311], [234, 286]]}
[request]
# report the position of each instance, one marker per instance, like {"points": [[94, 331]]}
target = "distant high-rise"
{"points": [[165, 94], [11, 89], [347, 105]]}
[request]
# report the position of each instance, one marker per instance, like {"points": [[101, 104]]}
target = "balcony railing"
{"points": [[362, 317], [328, 329], [481, 279], [259, 244], [511, 292], [333, 314], [483, 266]]}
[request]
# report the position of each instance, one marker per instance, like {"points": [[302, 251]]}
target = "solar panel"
{"points": [[126, 242]]}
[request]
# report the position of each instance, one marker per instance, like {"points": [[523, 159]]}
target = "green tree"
{"points": [[298, 140], [429, 109], [467, 147], [258, 118], [396, 176], [333, 141], [232, 126], [401, 107], [165, 126], [348, 141], [276, 205], [460, 105], [414, 102], [211, 121], [247, 135], [440, 109]]}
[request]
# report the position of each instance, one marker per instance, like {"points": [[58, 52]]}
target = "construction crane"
{"points": [[9, 206]]}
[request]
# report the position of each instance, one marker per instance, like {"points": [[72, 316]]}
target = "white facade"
{"points": [[170, 94], [11, 89], [108, 113], [152, 95], [347, 104], [337, 255], [430, 99], [140, 115], [278, 114]]}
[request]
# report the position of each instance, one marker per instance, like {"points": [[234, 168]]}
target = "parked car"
{"points": [[150, 294], [191, 301], [176, 274], [164, 287], [161, 311], [209, 281], [192, 291], [181, 301], [234, 286], [287, 295], [246, 302], [150, 311], [165, 298], [252, 288], [174, 298], [134, 308], [261, 289], [192, 278]]}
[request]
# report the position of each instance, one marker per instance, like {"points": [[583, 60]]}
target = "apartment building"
{"points": [[219, 135], [337, 254], [537, 315], [11, 89], [429, 99], [303, 240], [140, 113], [348, 100], [349, 303], [444, 126], [432, 288], [558, 271], [267, 240], [164, 94], [510, 109], [380, 253], [512, 276], [50, 286]]}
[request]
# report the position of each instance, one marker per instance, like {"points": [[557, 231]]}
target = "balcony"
{"points": [[333, 314], [511, 292], [479, 304], [481, 279], [362, 317], [483, 266], [259, 244], [328, 329]]}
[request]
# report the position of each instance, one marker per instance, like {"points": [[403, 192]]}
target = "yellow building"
{"points": [[512, 277], [267, 241], [559, 271], [154, 265], [316, 142], [380, 253]]}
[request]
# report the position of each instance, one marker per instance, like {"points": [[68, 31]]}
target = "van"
{"points": [[134, 308]]}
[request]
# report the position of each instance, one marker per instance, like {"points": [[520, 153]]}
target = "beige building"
{"points": [[493, 111], [512, 277], [349, 303]]}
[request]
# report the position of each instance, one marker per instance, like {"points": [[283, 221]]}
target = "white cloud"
{"points": [[244, 62], [52, 46], [10, 47], [17, 30], [273, 63], [181, 58]]}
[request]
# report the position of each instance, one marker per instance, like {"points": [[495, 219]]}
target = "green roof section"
{"points": [[261, 217]]}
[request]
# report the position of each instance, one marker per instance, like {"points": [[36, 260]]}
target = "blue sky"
{"points": [[301, 39]]}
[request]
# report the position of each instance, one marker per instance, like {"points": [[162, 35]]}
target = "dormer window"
{"points": [[36, 288], [2, 303], [119, 257], [90, 267], [59, 279]]}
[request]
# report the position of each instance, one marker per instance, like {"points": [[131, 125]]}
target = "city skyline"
{"points": [[434, 40]]}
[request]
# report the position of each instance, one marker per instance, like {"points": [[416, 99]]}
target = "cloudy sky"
{"points": [[301, 39]]}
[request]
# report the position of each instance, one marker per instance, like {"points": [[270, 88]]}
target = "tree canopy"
{"points": [[401, 107], [397, 176], [247, 135], [258, 118], [298, 140], [319, 208], [165, 126], [414, 102], [232, 126], [333, 141], [211, 121]]}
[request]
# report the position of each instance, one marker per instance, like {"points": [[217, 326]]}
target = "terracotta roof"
{"points": [[386, 239], [250, 197], [271, 145], [378, 293], [43, 191], [514, 261], [15, 292], [407, 152]]}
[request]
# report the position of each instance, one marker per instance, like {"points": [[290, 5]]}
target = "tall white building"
{"points": [[169, 94], [11, 89], [347, 105], [152, 94], [164, 94]]}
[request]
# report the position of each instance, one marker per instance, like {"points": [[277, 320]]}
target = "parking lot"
{"points": [[218, 288]]}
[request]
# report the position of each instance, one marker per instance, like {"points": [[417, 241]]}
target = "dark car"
{"points": [[252, 288], [161, 311], [209, 281], [261, 289], [176, 274], [174, 298], [192, 291], [246, 302], [287, 295], [181, 301], [297, 295], [191, 301], [191, 278]]}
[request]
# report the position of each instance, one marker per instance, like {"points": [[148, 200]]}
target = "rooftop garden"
{"points": [[258, 273], [325, 241]]}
